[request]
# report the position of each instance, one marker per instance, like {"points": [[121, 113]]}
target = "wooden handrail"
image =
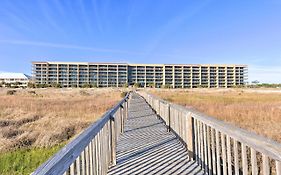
{"points": [[204, 135], [76, 156]]}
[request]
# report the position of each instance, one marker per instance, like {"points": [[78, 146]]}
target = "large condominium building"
{"points": [[70, 74]]}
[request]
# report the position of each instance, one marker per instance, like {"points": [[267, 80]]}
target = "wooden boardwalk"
{"points": [[146, 147]]}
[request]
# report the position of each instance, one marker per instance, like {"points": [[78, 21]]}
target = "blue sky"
{"points": [[143, 31]]}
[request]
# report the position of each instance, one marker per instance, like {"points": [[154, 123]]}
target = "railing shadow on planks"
{"points": [[219, 147], [93, 151]]}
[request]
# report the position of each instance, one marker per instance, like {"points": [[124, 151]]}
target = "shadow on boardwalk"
{"points": [[147, 148]]}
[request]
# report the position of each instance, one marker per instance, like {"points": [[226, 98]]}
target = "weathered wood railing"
{"points": [[93, 151], [219, 148]]}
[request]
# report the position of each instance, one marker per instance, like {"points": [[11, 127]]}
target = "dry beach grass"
{"points": [[255, 110], [46, 117]]}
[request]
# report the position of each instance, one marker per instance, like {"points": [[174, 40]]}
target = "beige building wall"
{"points": [[70, 74]]}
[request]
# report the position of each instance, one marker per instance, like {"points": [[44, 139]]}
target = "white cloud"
{"points": [[70, 46]]}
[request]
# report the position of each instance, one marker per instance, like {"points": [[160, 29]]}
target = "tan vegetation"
{"points": [[46, 117], [255, 110]]}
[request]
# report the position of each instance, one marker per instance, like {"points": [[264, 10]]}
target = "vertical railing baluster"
{"points": [[191, 136], [96, 155], [254, 162], [218, 152], [278, 167], [91, 157], [108, 145], [180, 124], [205, 148], [175, 116], [209, 151], [199, 142], [236, 158], [78, 165], [265, 165], [244, 159], [87, 160], [72, 169], [122, 119], [195, 140], [169, 118], [214, 168], [102, 152], [127, 109], [83, 162], [105, 150], [113, 141], [223, 149], [229, 160], [202, 145]]}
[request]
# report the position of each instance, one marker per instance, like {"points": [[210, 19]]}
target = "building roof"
{"points": [[8, 75], [90, 63]]}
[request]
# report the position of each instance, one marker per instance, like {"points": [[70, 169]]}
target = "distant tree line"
{"points": [[264, 85], [136, 85], [9, 85]]}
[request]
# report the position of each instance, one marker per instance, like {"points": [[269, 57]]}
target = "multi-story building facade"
{"points": [[14, 79], [70, 74]]}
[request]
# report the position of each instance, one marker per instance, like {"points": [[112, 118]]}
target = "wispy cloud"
{"points": [[175, 23], [49, 15], [70, 46], [132, 9]]}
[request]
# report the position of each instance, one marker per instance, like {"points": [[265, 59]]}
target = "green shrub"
{"points": [[123, 94], [125, 85], [31, 85], [56, 85], [74, 86], [151, 85], [137, 85], [94, 85], [8, 85], [42, 85], [86, 86]]}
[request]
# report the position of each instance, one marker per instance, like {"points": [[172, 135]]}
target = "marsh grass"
{"points": [[35, 125], [259, 112], [25, 161]]}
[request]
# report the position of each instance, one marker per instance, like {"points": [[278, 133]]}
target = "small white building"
{"points": [[13, 79]]}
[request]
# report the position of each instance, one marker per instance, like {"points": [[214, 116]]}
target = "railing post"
{"points": [[127, 108], [169, 118], [190, 136], [159, 108], [122, 114], [113, 141]]}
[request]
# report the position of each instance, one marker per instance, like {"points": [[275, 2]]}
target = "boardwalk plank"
{"points": [[146, 147]]}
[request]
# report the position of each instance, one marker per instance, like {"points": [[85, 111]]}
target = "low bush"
{"points": [[123, 94], [32, 92], [86, 86], [11, 92], [84, 93]]}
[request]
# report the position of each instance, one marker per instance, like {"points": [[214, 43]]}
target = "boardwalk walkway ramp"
{"points": [[143, 134], [146, 147]]}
